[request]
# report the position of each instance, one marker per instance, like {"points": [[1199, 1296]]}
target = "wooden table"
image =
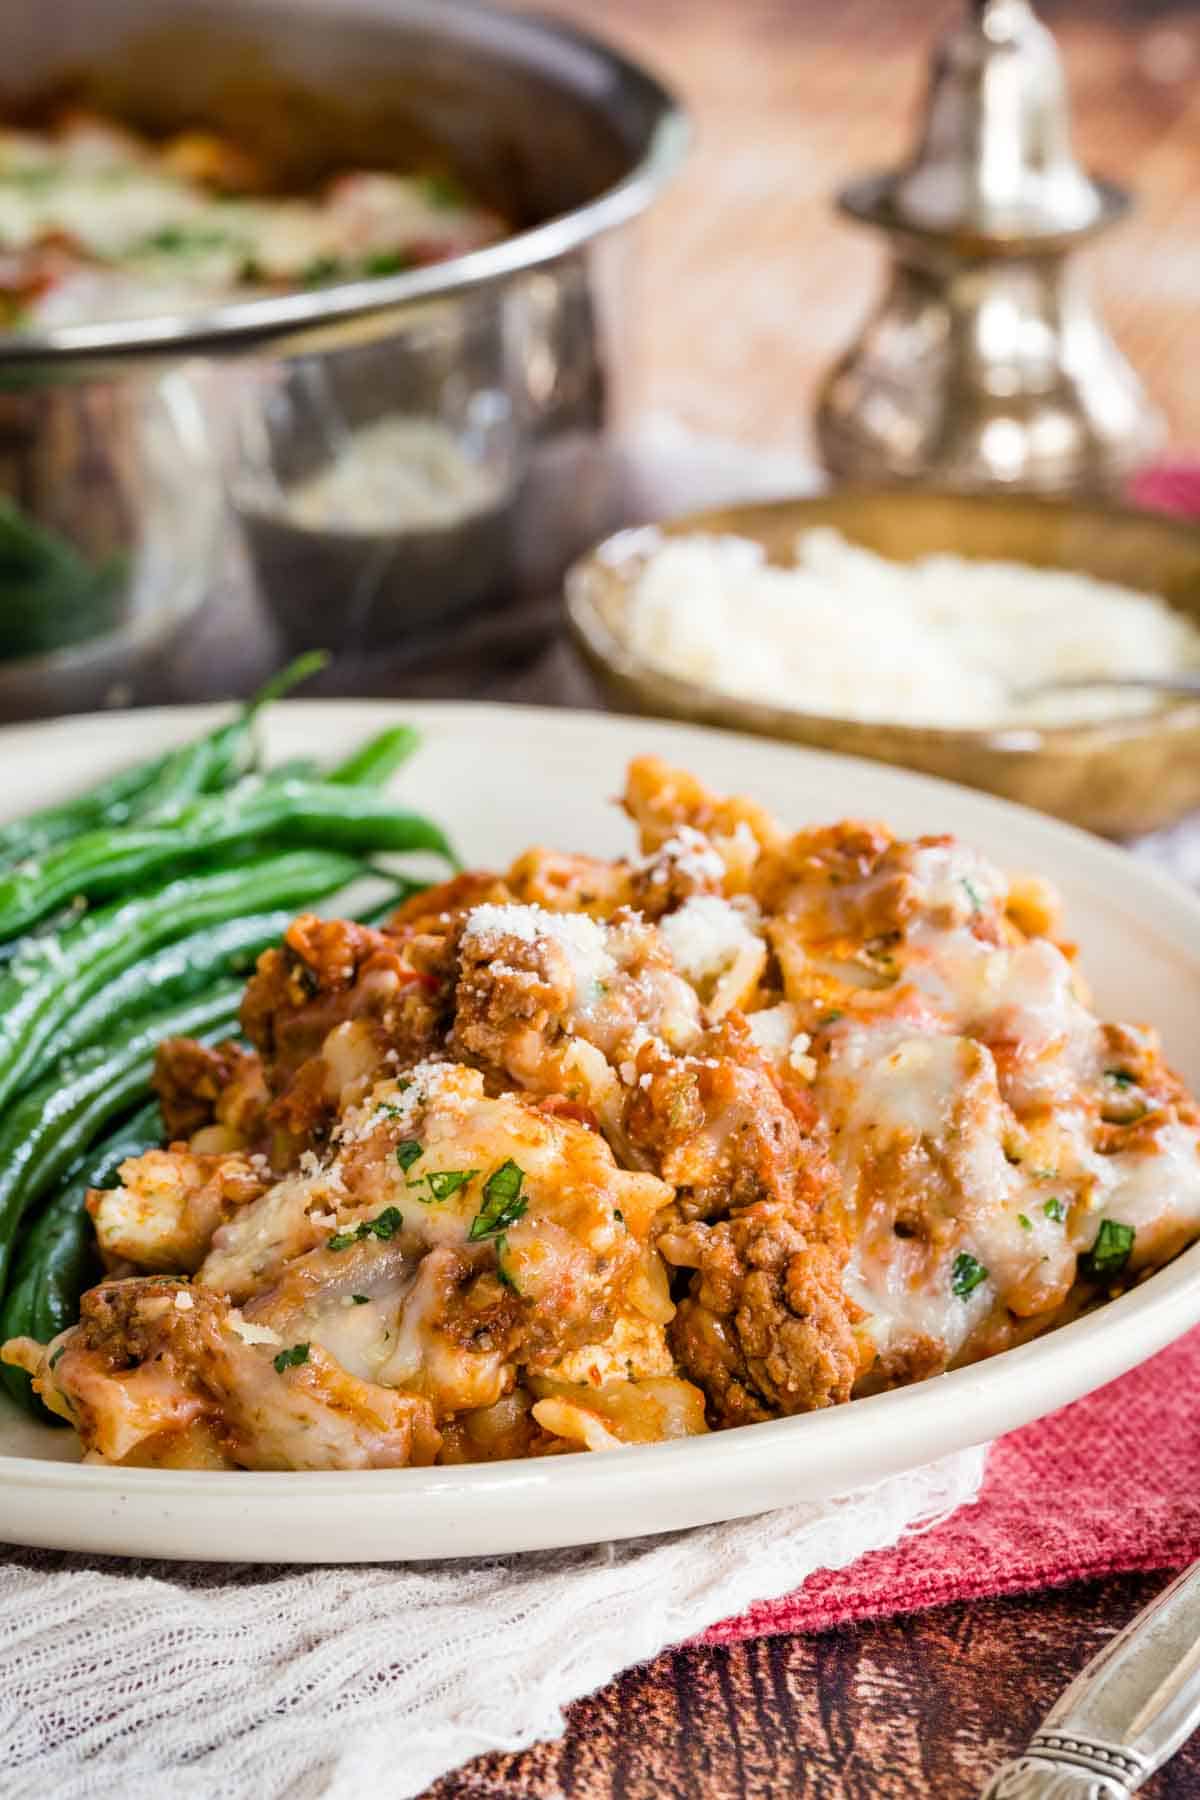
{"points": [[927, 1705], [750, 288]]}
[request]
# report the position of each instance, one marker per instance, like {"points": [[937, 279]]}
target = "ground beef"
{"points": [[765, 1328]]}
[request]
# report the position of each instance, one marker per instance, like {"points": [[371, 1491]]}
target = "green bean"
{"points": [[379, 757], [211, 762], [49, 1128], [45, 988], [163, 781], [109, 802], [58, 1253], [101, 863], [179, 970], [309, 662], [297, 768], [205, 766], [52, 926], [187, 967], [228, 758]]}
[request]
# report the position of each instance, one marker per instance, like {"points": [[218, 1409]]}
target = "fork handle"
{"points": [[1055, 1768], [1124, 1715]]}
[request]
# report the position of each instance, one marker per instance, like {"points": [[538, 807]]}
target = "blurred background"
{"points": [[750, 286], [374, 453]]}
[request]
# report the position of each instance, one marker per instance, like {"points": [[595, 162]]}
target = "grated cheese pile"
{"points": [[705, 936], [584, 941], [944, 641], [397, 474]]}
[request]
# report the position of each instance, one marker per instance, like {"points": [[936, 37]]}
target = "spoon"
{"points": [[1179, 685]]}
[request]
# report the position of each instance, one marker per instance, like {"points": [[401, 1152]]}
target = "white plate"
{"points": [[502, 778]]}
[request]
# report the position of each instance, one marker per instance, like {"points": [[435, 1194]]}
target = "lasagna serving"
{"points": [[98, 223], [595, 1153]]}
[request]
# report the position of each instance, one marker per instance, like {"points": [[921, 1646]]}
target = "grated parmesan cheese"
{"points": [[402, 1100], [799, 1059], [705, 937], [772, 1029], [943, 641], [584, 941], [249, 1332], [689, 852], [398, 474]]}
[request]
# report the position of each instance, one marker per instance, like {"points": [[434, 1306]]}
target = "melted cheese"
{"points": [[1157, 1192], [925, 1142]]}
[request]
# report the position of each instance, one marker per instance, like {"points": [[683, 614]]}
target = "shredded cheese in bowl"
{"points": [[944, 641], [397, 474]]}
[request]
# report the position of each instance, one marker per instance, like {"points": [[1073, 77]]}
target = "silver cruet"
{"points": [[984, 365]]}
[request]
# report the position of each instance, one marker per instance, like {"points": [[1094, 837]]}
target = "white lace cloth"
{"points": [[256, 1683]]}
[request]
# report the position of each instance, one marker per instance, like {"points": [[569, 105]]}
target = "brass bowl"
{"points": [[1122, 777]]}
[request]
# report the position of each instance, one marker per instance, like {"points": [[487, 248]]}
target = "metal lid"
{"points": [[995, 161]]}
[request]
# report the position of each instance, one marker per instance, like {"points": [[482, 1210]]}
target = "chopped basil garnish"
{"points": [[57, 1354], [1122, 1077], [501, 1252], [831, 1018], [503, 1202], [1055, 1209], [443, 191], [967, 1274], [291, 1359], [321, 269], [972, 893], [618, 1214], [444, 1182], [384, 1225], [385, 262], [1025, 1222], [407, 1153], [174, 240], [1110, 1252], [360, 1299], [34, 180]]}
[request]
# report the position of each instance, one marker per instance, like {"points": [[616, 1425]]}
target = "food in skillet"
{"points": [[592, 1154], [98, 223]]}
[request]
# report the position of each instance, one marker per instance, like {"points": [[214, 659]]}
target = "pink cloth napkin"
{"points": [[1172, 485], [1107, 1485]]}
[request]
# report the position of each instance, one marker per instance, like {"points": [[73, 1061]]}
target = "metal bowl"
{"points": [[1122, 777], [564, 136], [111, 535]]}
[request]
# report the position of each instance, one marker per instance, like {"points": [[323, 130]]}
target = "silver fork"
{"points": [[1129, 1710]]}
